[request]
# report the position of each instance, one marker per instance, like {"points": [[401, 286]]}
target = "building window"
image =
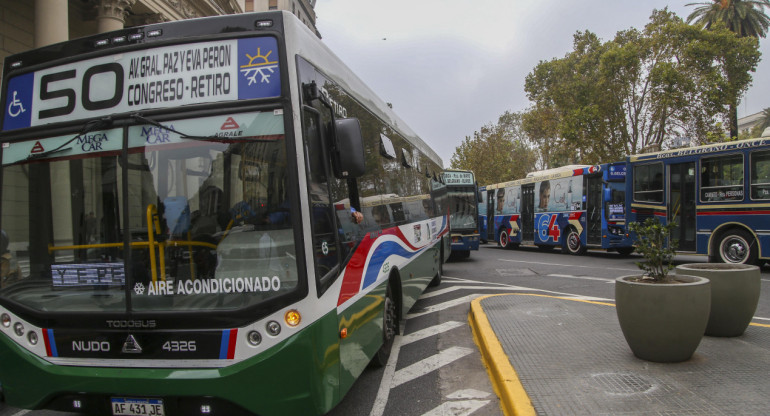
{"points": [[249, 6], [272, 5]]}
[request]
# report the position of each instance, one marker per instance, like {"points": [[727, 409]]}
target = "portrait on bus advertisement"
{"points": [[562, 194]]}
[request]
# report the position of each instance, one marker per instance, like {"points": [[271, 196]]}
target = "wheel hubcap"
{"points": [[734, 250]]}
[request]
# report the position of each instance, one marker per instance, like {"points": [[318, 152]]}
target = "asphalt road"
{"points": [[435, 367]]}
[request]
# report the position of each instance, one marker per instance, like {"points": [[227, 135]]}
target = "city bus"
{"points": [[718, 195], [482, 208], [462, 202], [175, 239], [574, 207]]}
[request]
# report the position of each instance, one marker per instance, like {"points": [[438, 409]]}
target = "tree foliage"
{"points": [[497, 153], [632, 94], [742, 17]]}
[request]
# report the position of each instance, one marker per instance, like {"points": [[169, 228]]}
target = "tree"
{"points": [[633, 94], [497, 153], [745, 18]]}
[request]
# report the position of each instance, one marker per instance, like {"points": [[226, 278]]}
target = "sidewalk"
{"points": [[550, 355]]}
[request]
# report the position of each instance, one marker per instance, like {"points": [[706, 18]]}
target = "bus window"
{"points": [[760, 175], [648, 183], [722, 178]]}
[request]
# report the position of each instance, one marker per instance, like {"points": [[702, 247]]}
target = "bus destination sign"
{"points": [[458, 178], [170, 76]]}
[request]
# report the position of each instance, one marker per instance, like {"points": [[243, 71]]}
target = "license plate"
{"points": [[129, 406]]}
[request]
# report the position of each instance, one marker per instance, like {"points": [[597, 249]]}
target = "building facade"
{"points": [[34, 23]]}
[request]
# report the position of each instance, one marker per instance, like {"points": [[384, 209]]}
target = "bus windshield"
{"points": [[145, 218], [462, 207]]}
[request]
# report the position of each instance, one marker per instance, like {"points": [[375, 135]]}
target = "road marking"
{"points": [[430, 331], [378, 408], [468, 394], [22, 412], [428, 365], [459, 408], [466, 287], [444, 305], [569, 265], [567, 276]]}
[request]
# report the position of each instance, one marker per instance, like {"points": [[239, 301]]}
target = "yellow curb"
{"points": [[513, 398]]}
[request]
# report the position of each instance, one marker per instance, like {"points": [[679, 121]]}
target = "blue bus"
{"points": [[462, 200], [575, 207], [718, 194]]}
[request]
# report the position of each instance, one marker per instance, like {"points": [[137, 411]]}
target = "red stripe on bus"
{"points": [[231, 344], [734, 213], [47, 342]]}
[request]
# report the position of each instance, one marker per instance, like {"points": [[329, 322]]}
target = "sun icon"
{"points": [[256, 67]]}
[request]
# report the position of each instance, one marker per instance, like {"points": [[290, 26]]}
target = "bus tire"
{"points": [[572, 244], [737, 246], [389, 329], [437, 278], [505, 240], [625, 251]]}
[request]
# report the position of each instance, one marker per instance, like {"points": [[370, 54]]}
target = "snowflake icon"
{"points": [[254, 67], [139, 288]]}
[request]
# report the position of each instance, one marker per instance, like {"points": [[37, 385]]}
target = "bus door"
{"points": [[528, 212], [593, 189], [682, 203], [491, 214]]}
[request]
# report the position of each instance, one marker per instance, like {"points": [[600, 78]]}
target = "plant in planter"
{"points": [[663, 317]]}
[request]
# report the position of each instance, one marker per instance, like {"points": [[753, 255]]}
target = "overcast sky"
{"points": [[451, 66]]}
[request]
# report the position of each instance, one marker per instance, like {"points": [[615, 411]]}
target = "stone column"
{"points": [[51, 24], [110, 14]]}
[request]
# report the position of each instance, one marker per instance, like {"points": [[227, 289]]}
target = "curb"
{"points": [[513, 398]]}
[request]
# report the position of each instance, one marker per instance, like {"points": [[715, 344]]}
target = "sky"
{"points": [[450, 67]]}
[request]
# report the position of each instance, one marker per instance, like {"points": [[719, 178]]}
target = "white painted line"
{"points": [[459, 408], [567, 276], [570, 265], [444, 305], [378, 408], [430, 331], [762, 319], [428, 365], [22, 412], [468, 394], [450, 289]]}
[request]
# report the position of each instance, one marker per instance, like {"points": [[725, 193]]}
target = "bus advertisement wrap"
{"points": [[165, 77]]}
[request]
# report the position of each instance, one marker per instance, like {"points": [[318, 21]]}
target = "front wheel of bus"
{"points": [[737, 246], [572, 242], [389, 330]]}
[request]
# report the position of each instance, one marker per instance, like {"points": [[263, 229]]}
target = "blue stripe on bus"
{"points": [[225, 344], [382, 252], [52, 342]]}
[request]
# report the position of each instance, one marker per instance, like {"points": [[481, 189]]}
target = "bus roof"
{"points": [[704, 149]]}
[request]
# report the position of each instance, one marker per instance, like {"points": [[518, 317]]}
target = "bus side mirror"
{"points": [[349, 149], [479, 197], [608, 194]]}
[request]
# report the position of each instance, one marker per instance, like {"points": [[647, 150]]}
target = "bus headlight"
{"points": [[32, 337], [273, 328], [18, 328], [6, 319], [254, 338]]}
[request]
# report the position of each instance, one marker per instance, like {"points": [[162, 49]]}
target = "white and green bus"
{"points": [[172, 236]]}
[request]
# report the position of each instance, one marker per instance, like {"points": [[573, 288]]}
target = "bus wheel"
{"points": [[737, 246], [625, 251], [389, 330], [505, 240], [572, 242]]}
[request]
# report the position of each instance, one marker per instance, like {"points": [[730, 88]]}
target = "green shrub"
{"points": [[651, 237]]}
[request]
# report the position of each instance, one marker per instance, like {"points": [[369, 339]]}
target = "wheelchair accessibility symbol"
{"points": [[15, 108]]}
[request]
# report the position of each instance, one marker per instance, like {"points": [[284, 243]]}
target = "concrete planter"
{"points": [[663, 322], [734, 295]]}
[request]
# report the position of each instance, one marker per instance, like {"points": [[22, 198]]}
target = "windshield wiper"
{"points": [[152, 122], [90, 126]]}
